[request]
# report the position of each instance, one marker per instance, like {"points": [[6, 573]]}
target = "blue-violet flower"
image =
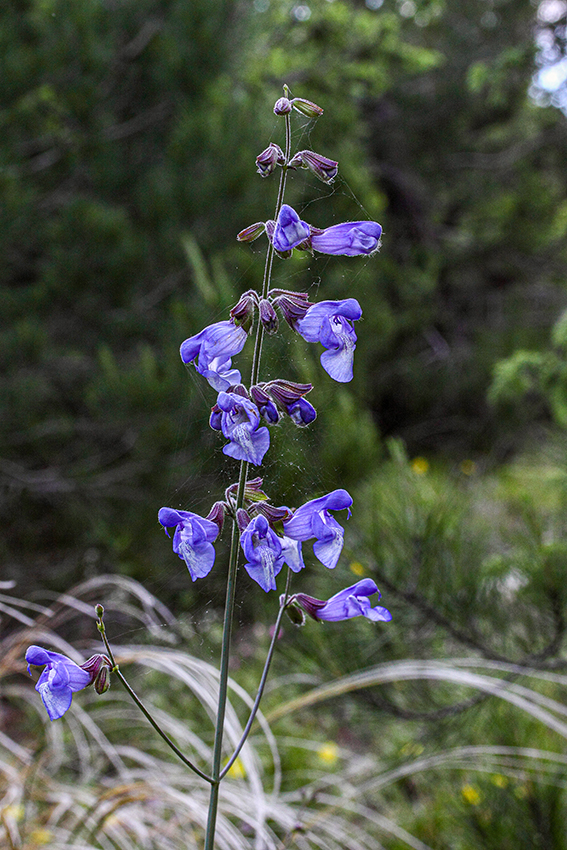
{"points": [[330, 323], [192, 539], [263, 550], [350, 238], [314, 520], [239, 422], [290, 230], [212, 349], [60, 679], [351, 602]]}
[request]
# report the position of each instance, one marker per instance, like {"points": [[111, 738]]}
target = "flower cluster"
{"points": [[265, 550]]}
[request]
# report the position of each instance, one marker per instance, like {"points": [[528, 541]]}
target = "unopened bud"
{"points": [[268, 317], [99, 611], [243, 312], [294, 305], [266, 161], [252, 232], [102, 681], [242, 519], [98, 667], [282, 106], [306, 107], [294, 612], [217, 514], [322, 167]]}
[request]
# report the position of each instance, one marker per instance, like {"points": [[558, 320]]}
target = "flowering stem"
{"points": [[263, 679], [223, 672], [142, 707], [270, 254]]}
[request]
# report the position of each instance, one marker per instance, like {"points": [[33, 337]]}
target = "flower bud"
{"points": [[322, 167], [243, 312], [272, 514], [98, 667], [99, 611], [252, 232], [268, 317], [217, 514], [294, 305], [243, 519], [294, 612], [266, 161], [102, 681], [306, 107], [282, 106]]}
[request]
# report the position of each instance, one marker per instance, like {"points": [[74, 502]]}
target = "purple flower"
{"points": [[301, 412], [58, 681], [330, 323], [263, 550], [314, 520], [192, 540], [350, 238], [212, 349], [240, 421], [350, 602], [290, 231]]}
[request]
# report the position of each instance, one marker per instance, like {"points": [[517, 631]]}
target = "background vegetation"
{"points": [[129, 132]]}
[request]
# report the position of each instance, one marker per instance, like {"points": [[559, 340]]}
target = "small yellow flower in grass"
{"points": [[420, 465], [328, 752], [357, 568], [237, 770], [40, 837], [471, 794], [468, 467], [14, 812], [499, 780]]}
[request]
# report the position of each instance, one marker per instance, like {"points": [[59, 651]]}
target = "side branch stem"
{"points": [[263, 679], [144, 710]]}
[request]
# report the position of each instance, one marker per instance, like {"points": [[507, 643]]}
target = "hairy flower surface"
{"points": [[350, 239], [192, 540], [60, 679], [314, 520], [290, 230], [239, 422], [351, 602], [330, 323], [211, 351]]}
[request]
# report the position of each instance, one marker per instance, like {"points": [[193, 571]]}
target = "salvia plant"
{"points": [[264, 537]]}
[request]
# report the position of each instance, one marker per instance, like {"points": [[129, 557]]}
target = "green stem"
{"points": [[144, 710], [263, 679], [223, 673]]}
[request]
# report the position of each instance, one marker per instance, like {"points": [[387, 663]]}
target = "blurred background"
{"points": [[128, 138]]}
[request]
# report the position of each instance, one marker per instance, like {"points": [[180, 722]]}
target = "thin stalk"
{"points": [[223, 673], [270, 254], [144, 710], [263, 679]]}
